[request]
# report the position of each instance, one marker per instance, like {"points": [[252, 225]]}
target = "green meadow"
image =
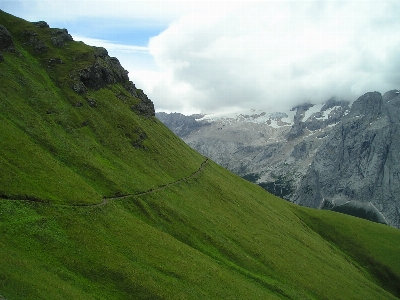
{"points": [[98, 202]]}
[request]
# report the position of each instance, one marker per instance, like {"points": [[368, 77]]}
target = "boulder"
{"points": [[61, 36]]}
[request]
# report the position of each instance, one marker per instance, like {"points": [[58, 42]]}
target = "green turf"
{"points": [[189, 230]]}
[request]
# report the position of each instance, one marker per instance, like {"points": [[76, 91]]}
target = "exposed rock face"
{"points": [[180, 124], [254, 144], [41, 24], [108, 70], [330, 113], [6, 43], [145, 107], [360, 160], [333, 109], [34, 41], [298, 126], [61, 36]]}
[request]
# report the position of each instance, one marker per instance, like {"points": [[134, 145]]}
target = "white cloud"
{"points": [[111, 46], [265, 54]]}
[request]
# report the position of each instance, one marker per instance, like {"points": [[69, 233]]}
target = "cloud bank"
{"points": [[274, 54]]}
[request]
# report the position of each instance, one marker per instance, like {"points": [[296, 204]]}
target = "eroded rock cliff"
{"points": [[360, 160]]}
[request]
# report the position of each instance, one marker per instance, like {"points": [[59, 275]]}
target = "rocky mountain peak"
{"points": [[314, 117], [368, 105], [390, 95]]}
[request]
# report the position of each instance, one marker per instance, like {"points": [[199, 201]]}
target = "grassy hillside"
{"points": [[187, 228], [47, 128]]}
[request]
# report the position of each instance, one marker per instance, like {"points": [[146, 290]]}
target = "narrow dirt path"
{"points": [[108, 199]]}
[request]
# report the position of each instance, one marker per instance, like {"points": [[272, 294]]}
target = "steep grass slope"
{"points": [[187, 229], [93, 141]]}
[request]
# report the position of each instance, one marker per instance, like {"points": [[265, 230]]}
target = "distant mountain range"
{"points": [[333, 155]]}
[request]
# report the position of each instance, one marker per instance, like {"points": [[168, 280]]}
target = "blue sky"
{"points": [[213, 56], [111, 30]]}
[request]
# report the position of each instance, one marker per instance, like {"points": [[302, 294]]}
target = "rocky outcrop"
{"points": [[104, 71], [107, 70], [41, 24], [32, 39], [61, 36], [6, 42], [360, 160], [145, 107]]}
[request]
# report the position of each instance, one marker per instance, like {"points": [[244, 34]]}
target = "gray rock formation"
{"points": [[61, 36], [145, 107], [334, 111], [6, 43], [254, 144], [298, 124], [107, 70], [32, 39], [180, 124], [41, 24], [360, 160]]}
